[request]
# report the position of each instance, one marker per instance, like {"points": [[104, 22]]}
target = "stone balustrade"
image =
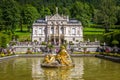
{"points": [[37, 47]]}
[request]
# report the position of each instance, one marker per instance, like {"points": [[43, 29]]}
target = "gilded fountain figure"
{"points": [[61, 59]]}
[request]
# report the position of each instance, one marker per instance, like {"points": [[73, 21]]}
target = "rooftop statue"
{"points": [[59, 60]]}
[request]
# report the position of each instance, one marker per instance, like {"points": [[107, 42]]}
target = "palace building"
{"points": [[57, 29]]}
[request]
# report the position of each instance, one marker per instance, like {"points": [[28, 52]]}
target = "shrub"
{"points": [[3, 41], [50, 46], [2, 54], [71, 43], [77, 40], [29, 51], [115, 42], [44, 43]]}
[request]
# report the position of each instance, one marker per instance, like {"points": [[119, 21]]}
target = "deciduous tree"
{"points": [[11, 15], [30, 14], [106, 13], [81, 11]]}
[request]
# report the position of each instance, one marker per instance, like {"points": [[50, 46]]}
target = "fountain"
{"points": [[62, 59]]}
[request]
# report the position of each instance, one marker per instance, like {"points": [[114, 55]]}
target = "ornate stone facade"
{"points": [[57, 29]]}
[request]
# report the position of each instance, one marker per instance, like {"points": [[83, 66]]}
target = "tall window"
{"points": [[40, 30], [35, 32], [52, 30], [78, 32], [73, 31], [62, 30], [73, 39]]}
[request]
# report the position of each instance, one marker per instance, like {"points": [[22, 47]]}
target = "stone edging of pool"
{"points": [[111, 58], [41, 55], [115, 59]]}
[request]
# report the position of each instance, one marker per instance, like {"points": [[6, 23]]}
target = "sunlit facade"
{"points": [[57, 29]]}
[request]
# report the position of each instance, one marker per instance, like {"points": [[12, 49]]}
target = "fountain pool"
{"points": [[86, 68]]}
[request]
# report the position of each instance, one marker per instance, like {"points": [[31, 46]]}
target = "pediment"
{"points": [[56, 17]]}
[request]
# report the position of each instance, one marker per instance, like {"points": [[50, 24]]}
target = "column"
{"points": [[49, 32], [63, 30], [59, 35], [54, 34]]}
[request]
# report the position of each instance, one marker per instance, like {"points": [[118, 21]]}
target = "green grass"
{"points": [[93, 33], [23, 35], [89, 29]]}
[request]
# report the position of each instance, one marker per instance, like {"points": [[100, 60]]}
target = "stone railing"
{"points": [[37, 47]]}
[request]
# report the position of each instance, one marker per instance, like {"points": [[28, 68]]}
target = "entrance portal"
{"points": [[56, 40]]}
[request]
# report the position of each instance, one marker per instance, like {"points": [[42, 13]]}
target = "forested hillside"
{"points": [[105, 12], [17, 14]]}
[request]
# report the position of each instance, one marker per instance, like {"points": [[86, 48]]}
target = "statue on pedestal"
{"points": [[62, 58]]}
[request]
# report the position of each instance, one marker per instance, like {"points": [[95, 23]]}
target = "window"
{"points": [[52, 30], [62, 30], [39, 39], [40, 30], [73, 39], [35, 32], [78, 32], [73, 31]]}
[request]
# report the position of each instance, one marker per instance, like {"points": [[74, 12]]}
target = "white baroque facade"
{"points": [[57, 29]]}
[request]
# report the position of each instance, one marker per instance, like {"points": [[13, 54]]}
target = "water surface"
{"points": [[86, 68]]}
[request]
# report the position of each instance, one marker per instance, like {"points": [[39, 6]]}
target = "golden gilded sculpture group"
{"points": [[59, 60]]}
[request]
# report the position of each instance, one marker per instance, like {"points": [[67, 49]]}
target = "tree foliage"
{"points": [[81, 11], [3, 40], [1, 19], [115, 42], [111, 36], [106, 13], [30, 14], [10, 11]]}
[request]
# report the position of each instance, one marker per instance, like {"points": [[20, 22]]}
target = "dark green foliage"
{"points": [[15, 37], [112, 37], [81, 11], [45, 11], [106, 14], [115, 42], [50, 46], [3, 41], [30, 14], [10, 11], [1, 26], [44, 43]]}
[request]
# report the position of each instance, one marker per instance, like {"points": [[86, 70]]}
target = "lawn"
{"points": [[92, 33], [24, 35]]}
